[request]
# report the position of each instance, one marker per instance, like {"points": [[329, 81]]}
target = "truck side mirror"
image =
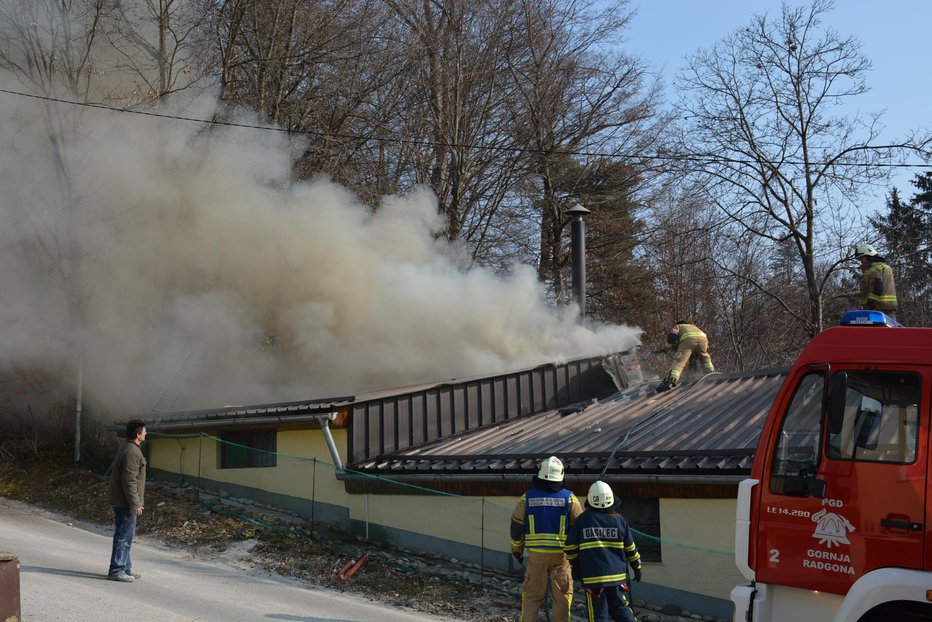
{"points": [[816, 487], [836, 402]]}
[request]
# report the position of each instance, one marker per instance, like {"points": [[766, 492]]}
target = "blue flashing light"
{"points": [[865, 317]]}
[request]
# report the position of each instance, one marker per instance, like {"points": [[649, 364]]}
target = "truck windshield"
{"points": [[797, 451], [880, 420]]}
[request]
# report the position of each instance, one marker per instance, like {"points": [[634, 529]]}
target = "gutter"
{"points": [[633, 478], [213, 424]]}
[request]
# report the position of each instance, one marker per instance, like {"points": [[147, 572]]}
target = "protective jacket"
{"points": [[877, 288], [681, 332], [599, 545], [542, 518], [687, 339], [540, 522]]}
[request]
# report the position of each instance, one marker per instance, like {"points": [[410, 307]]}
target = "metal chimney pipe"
{"points": [[578, 236]]}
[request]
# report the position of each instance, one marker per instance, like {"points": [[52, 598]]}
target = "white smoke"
{"points": [[191, 251]]}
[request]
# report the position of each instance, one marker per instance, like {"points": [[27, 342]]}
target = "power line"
{"points": [[674, 157]]}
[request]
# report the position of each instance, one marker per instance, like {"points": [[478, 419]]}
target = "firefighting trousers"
{"points": [[609, 604], [545, 569], [698, 345]]}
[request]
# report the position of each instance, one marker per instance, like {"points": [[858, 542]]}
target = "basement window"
{"points": [[241, 450]]}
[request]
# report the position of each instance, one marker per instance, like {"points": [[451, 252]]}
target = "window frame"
{"points": [[864, 427], [258, 446]]}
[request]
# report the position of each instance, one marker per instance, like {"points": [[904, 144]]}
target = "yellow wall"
{"points": [[296, 473], [472, 521], [698, 543]]}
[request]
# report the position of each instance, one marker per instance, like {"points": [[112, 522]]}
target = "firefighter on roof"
{"points": [[540, 523], [600, 547], [877, 288], [687, 339]]}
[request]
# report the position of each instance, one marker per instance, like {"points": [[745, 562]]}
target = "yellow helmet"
{"points": [[551, 470]]}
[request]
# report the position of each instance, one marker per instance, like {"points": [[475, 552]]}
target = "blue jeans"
{"points": [[124, 529]]}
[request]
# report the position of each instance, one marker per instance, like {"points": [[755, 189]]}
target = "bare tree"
{"points": [[66, 55], [159, 44], [48, 46], [777, 156], [576, 102], [455, 118], [324, 71]]}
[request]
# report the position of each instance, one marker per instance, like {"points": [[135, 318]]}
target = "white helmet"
{"points": [[551, 470], [600, 495], [865, 250]]}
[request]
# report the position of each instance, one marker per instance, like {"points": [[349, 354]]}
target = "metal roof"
{"points": [[710, 427], [397, 418]]}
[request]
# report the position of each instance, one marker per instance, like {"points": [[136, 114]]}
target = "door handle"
{"points": [[900, 524]]}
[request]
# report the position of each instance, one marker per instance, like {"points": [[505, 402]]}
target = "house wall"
{"points": [[697, 546], [200, 457], [697, 571]]}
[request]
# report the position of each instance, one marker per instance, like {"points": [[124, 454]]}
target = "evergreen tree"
{"points": [[906, 231]]}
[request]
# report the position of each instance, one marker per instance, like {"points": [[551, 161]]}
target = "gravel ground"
{"points": [[243, 534]]}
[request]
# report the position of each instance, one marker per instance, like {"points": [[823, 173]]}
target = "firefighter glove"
{"points": [[637, 574], [518, 555]]}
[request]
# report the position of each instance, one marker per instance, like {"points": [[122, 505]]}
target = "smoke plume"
{"points": [[164, 254]]}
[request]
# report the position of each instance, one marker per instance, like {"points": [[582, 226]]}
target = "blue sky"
{"points": [[893, 34]]}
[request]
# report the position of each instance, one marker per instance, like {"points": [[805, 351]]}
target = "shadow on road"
{"points": [[291, 618], [67, 573]]}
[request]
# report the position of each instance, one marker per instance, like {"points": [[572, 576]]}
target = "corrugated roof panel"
{"points": [[706, 427]]}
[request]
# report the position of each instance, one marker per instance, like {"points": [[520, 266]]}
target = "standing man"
{"points": [[600, 547], [127, 489], [877, 288], [687, 339], [540, 522]]}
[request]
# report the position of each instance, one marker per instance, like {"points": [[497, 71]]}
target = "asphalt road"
{"points": [[63, 568]]}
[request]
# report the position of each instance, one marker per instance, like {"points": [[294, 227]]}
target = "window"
{"points": [[643, 514], [880, 419], [248, 449], [797, 452]]}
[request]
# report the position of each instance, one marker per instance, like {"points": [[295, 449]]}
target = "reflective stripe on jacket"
{"points": [[680, 332], [546, 519], [601, 541], [877, 288]]}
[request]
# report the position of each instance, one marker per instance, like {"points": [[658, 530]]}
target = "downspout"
{"points": [[324, 421]]}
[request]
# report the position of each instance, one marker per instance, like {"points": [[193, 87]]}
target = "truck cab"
{"points": [[832, 524]]}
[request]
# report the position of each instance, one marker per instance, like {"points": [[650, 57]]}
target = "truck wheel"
{"points": [[901, 611]]}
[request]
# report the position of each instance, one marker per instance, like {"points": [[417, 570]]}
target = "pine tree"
{"points": [[906, 230]]}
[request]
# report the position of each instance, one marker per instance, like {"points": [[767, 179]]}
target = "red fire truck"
{"points": [[833, 524]]}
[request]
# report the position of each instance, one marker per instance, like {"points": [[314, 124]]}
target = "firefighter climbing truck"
{"points": [[833, 524]]}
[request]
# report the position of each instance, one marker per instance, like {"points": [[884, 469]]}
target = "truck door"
{"points": [[845, 496]]}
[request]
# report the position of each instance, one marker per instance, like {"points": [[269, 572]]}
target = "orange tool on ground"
{"points": [[346, 573]]}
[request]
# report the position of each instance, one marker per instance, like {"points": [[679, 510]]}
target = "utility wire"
{"points": [[660, 157]]}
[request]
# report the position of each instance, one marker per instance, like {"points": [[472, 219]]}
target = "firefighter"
{"points": [[539, 523], [600, 547], [877, 288], [686, 339]]}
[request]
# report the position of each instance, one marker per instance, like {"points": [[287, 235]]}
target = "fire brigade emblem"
{"points": [[831, 529]]}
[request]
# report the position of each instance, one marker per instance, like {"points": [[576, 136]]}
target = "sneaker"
{"points": [[122, 577], [134, 575]]}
